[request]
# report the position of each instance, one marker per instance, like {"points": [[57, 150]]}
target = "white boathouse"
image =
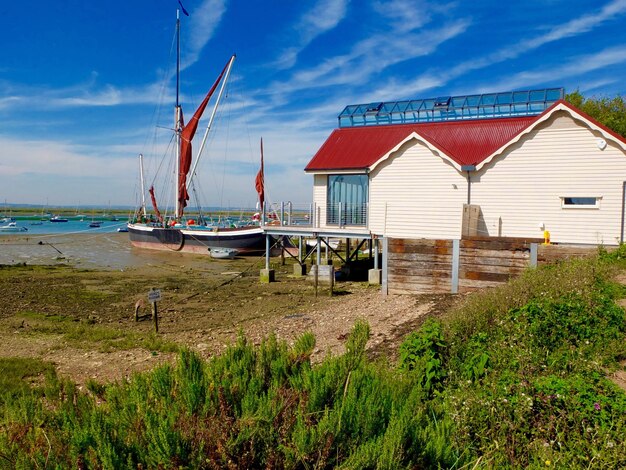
{"points": [[528, 162], [463, 190]]}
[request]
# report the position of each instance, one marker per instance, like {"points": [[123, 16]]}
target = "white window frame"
{"points": [[580, 206]]}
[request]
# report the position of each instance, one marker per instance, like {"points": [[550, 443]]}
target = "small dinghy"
{"points": [[223, 253]]}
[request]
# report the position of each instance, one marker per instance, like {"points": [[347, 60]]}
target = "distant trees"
{"points": [[609, 111]]}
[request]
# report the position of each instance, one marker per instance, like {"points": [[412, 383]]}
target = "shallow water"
{"points": [[90, 251]]}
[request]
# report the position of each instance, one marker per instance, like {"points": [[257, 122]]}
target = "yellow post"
{"points": [[546, 237]]}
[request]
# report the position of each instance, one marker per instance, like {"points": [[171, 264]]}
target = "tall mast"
{"points": [[143, 187], [177, 123], [208, 127]]}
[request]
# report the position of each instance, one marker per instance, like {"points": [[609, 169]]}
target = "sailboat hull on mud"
{"points": [[174, 233], [246, 240]]}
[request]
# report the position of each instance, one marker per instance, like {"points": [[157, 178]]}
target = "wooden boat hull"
{"points": [[246, 240]]}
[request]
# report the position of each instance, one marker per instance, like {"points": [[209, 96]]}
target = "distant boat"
{"points": [[12, 227], [333, 243], [95, 224], [56, 218], [122, 229], [223, 253]]}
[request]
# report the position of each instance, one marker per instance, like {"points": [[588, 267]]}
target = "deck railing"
{"points": [[338, 215]]}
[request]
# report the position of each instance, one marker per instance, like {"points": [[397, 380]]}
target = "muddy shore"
{"points": [[205, 304]]}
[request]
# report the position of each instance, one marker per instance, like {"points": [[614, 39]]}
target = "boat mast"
{"points": [[143, 187], [177, 123], [208, 127]]}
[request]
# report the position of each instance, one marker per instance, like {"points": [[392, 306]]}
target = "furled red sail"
{"points": [[186, 137], [154, 204], [259, 182]]}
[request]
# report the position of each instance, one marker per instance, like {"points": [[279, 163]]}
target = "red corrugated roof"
{"points": [[466, 142]]}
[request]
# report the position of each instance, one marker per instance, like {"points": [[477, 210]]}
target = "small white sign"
{"points": [[154, 295]]}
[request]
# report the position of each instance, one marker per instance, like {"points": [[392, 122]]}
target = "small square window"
{"points": [[578, 202]]}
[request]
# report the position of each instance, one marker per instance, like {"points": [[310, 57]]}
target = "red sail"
{"points": [[154, 204], [186, 137], [259, 182]]}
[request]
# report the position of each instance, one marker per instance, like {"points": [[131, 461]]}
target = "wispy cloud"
{"points": [[396, 42], [577, 26], [576, 66], [323, 17], [84, 94], [203, 22], [57, 159]]}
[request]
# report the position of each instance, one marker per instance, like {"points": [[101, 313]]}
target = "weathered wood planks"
{"points": [[425, 265]]}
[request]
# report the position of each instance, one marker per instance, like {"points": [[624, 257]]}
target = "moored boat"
{"points": [[12, 227], [223, 253], [176, 233]]}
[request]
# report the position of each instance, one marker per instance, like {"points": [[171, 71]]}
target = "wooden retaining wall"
{"points": [[444, 266]]}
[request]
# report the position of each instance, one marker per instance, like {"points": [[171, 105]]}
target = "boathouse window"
{"points": [[347, 200], [571, 202]]}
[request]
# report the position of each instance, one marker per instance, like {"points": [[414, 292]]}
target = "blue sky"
{"points": [[81, 82]]}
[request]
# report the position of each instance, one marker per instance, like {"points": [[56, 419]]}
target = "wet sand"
{"points": [[108, 251]]}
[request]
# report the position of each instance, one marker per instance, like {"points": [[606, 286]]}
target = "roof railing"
{"points": [[451, 108]]}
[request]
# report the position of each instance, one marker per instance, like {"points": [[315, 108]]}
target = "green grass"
{"points": [[515, 378], [87, 335], [17, 373]]}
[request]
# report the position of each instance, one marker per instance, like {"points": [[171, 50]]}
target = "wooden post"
{"points": [[154, 296], [155, 316], [375, 253], [533, 255], [318, 260], [456, 250], [282, 250], [331, 281], [385, 281]]}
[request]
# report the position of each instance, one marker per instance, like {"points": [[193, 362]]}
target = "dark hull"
{"points": [[246, 240]]}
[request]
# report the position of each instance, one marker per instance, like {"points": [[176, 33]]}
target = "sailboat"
{"points": [[180, 233]]}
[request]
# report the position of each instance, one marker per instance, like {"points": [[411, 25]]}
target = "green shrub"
{"points": [[423, 353], [515, 378]]}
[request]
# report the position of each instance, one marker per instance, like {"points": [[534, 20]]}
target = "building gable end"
{"points": [[415, 136]]}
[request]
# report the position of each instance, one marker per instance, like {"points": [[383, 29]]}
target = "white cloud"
{"points": [[369, 57], [324, 16], [203, 22], [576, 66], [407, 15], [573, 27], [53, 158]]}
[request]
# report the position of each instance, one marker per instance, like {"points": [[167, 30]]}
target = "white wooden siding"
{"points": [[416, 194], [521, 190], [320, 183]]}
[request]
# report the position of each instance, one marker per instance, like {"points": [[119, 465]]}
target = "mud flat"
{"points": [[77, 310]]}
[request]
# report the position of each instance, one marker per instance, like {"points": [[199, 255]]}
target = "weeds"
{"points": [[513, 379], [88, 336]]}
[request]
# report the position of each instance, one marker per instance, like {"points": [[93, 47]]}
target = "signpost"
{"points": [[154, 296]]}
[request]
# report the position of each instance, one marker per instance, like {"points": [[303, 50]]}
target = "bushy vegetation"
{"points": [[610, 111], [515, 378]]}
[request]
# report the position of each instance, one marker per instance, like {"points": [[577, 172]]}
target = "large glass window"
{"points": [[347, 200]]}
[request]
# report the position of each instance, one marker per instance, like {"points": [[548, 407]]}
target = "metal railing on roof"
{"points": [[451, 108]]}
